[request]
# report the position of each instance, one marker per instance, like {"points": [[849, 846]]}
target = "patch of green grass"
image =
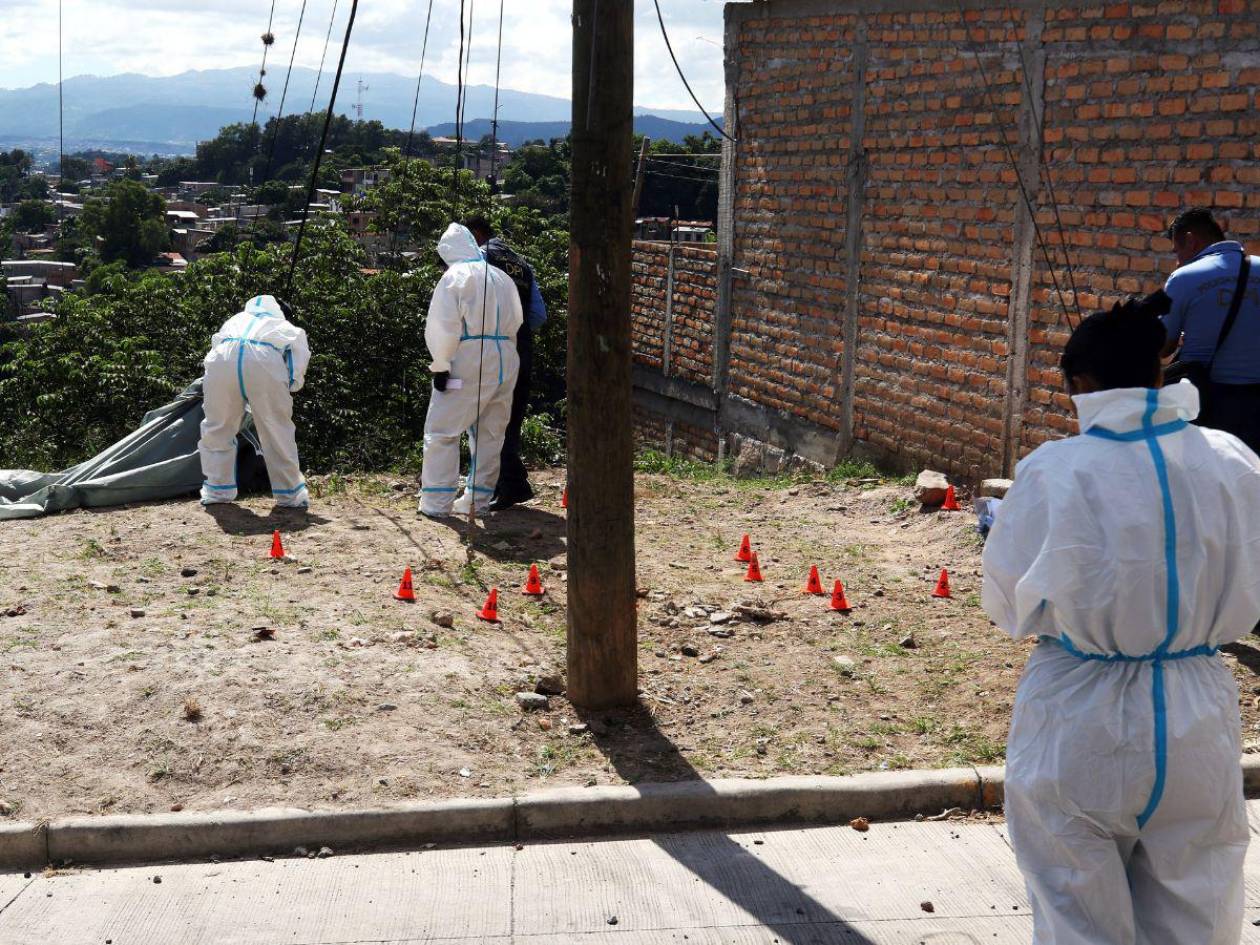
{"points": [[555, 756], [854, 469], [971, 747], [337, 723], [867, 743], [93, 549], [153, 567], [653, 461], [901, 506]]}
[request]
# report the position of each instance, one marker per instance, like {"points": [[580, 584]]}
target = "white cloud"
{"points": [[165, 37]]}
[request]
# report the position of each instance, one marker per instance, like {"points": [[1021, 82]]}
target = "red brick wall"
{"points": [[1147, 108], [938, 227], [695, 300], [689, 442], [1150, 107], [791, 205]]}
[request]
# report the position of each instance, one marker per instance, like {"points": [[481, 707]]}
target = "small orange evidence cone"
{"points": [[754, 570], [405, 590], [745, 551], [490, 611], [533, 586], [277, 546], [942, 586], [839, 602], [814, 584], [564, 498], [951, 501]]}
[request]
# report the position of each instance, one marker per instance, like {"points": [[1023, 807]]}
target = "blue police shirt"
{"points": [[1201, 292]]}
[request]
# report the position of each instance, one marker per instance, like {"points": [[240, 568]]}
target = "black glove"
{"points": [[439, 380]]}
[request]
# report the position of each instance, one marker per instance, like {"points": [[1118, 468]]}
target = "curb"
{"points": [[566, 812]]}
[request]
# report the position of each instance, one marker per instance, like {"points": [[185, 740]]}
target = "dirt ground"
{"points": [[133, 679]]}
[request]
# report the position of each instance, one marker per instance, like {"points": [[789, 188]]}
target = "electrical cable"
{"points": [[271, 154], [668, 45], [1019, 177], [319, 154], [415, 107], [494, 122], [268, 39], [320, 74]]}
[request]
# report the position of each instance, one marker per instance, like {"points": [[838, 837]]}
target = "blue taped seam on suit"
{"points": [[210, 485], [288, 491], [439, 489], [1150, 433]]}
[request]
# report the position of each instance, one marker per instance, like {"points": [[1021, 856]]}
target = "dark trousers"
{"points": [[513, 478], [1235, 408]]}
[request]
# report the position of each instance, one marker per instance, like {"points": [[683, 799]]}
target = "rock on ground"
{"points": [[930, 487]]}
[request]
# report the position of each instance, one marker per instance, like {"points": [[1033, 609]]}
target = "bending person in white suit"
{"points": [[471, 335], [1132, 553], [258, 358]]}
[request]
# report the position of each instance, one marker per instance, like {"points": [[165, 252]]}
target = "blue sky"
{"points": [[164, 37]]}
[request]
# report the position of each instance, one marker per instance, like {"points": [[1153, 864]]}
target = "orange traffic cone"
{"points": [[754, 570], [814, 584], [533, 586], [838, 601], [942, 586], [745, 550], [277, 547], [951, 501], [490, 611], [405, 590], [564, 498]]}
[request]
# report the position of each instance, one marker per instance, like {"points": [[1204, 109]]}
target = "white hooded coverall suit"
{"points": [[258, 358], [1132, 552], [471, 333]]}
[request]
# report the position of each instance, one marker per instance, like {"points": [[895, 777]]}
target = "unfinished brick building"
{"points": [[878, 283]]}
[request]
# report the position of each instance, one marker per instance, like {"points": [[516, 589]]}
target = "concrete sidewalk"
{"points": [[814, 886]]}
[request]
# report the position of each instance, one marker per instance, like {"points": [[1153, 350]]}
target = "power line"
{"points": [[319, 154], [693, 167], [1019, 177], [678, 68], [285, 93], [1049, 181], [320, 74], [61, 124], [494, 122], [415, 107], [268, 38], [459, 111], [694, 180]]}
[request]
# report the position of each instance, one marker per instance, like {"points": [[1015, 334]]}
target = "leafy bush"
{"points": [[541, 445]]}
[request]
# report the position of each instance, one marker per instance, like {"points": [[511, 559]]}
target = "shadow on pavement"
{"points": [[786, 910]]}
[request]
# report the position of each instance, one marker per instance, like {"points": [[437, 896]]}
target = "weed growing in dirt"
{"points": [[192, 709], [93, 549], [153, 567], [555, 756], [901, 506]]}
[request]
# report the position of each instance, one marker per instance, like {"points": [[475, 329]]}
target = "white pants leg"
{"points": [[485, 444], [224, 410], [272, 406], [451, 412]]}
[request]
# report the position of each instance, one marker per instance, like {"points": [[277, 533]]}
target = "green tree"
{"points": [[271, 193], [128, 223], [75, 168], [31, 216]]}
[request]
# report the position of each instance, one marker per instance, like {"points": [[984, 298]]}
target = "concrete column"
{"points": [[856, 179], [726, 210], [1031, 118]]}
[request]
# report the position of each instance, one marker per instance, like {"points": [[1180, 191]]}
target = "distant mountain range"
{"points": [[516, 133], [170, 115]]}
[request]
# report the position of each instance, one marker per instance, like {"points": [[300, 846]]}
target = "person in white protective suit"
{"points": [[1132, 552], [258, 358], [471, 331]]}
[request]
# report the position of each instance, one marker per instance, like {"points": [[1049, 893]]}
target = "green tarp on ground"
{"points": [[158, 461]]}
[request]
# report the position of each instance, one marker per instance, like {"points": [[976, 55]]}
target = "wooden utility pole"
{"points": [[638, 175], [602, 640]]}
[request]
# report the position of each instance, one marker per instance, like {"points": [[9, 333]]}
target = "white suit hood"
{"points": [[457, 245], [472, 300], [264, 305]]}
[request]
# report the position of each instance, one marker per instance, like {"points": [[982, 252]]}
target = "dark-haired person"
{"points": [[1131, 552], [514, 486], [1201, 292]]}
